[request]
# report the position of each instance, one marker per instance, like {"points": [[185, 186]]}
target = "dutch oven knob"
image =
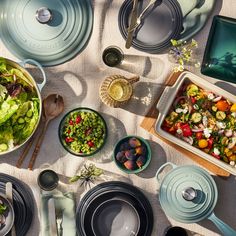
{"points": [[189, 193], [43, 15]]}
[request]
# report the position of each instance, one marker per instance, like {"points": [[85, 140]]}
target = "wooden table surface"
{"points": [[78, 82]]}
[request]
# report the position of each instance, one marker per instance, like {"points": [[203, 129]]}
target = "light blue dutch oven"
{"points": [[189, 194]]}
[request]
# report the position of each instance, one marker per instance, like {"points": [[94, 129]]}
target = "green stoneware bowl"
{"points": [[133, 158], [82, 132]]}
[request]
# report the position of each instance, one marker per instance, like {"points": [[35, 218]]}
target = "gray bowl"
{"points": [[8, 214], [115, 217]]}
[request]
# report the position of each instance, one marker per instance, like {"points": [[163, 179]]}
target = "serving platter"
{"points": [[23, 203]]}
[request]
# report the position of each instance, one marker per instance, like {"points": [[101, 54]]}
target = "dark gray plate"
{"points": [[107, 191], [23, 203], [161, 24]]}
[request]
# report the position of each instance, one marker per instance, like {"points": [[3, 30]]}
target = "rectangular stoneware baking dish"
{"points": [[168, 98]]}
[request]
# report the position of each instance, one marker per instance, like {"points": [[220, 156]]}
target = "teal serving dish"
{"points": [[219, 59], [82, 135], [134, 156]]}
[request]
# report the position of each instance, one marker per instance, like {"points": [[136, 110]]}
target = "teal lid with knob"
{"points": [[51, 32], [187, 194]]}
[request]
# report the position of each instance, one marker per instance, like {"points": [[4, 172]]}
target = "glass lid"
{"points": [[50, 32], [188, 194]]}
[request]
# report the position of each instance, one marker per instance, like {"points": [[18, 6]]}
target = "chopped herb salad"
{"points": [[204, 120], [82, 131], [19, 107]]}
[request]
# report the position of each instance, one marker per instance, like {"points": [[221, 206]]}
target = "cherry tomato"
{"points": [[78, 119], [222, 105], [90, 143], [186, 130], [199, 135], [214, 155], [193, 100], [71, 122], [210, 143], [69, 139]]}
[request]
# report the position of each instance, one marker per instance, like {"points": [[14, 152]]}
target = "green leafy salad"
{"points": [[19, 107]]}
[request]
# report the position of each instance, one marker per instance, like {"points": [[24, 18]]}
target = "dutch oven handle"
{"points": [[162, 167], [31, 61]]}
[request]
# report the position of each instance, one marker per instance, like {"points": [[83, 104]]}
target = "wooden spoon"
{"points": [[53, 106]]}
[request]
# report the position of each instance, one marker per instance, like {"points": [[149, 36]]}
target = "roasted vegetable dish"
{"points": [[205, 120], [19, 107]]}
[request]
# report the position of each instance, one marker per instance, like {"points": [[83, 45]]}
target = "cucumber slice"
{"points": [[196, 117], [21, 120], [220, 115], [3, 147]]}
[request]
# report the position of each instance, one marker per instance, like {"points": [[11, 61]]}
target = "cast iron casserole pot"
{"points": [[189, 194], [28, 78]]}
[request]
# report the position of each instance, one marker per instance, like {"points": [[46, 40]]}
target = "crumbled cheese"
{"points": [[220, 125], [232, 163], [210, 96], [179, 131], [195, 106], [185, 110], [216, 151], [207, 132], [204, 120], [178, 110], [233, 114]]}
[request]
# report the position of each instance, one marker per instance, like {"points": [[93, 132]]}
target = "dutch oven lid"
{"points": [[50, 32], [188, 194]]}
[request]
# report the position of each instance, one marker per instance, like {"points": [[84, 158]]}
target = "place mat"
{"points": [[63, 201], [148, 124], [23, 203]]}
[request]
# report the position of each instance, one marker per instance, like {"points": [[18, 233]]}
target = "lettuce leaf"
{"points": [[7, 109]]}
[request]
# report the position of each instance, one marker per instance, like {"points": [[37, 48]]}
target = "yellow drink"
{"points": [[120, 90]]}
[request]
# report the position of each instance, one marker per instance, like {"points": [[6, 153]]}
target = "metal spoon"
{"points": [[53, 106]]}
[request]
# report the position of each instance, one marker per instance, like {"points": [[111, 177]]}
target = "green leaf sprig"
{"points": [[87, 174], [3, 208]]}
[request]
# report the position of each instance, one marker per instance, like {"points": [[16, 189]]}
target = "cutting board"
{"points": [[148, 124]]}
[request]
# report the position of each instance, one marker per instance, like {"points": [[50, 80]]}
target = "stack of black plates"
{"points": [[161, 24], [106, 193], [23, 203]]}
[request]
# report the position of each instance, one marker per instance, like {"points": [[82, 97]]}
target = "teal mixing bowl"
{"points": [[132, 154]]}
